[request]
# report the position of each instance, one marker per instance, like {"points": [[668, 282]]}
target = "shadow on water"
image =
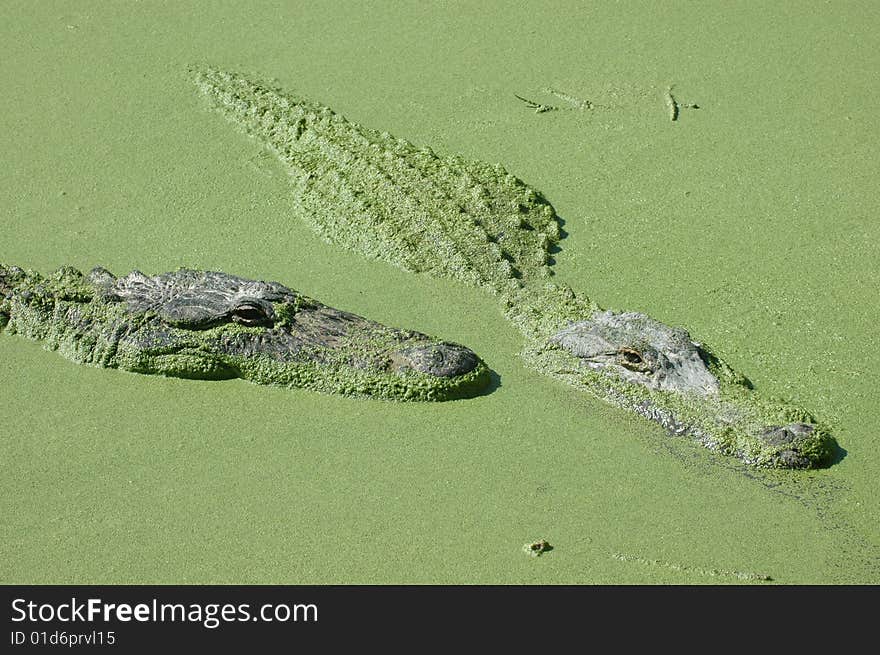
{"points": [[556, 248], [472, 391], [837, 456], [494, 383]]}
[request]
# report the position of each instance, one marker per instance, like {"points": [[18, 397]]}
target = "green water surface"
{"points": [[752, 221]]}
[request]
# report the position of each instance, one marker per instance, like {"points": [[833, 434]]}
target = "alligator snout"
{"points": [[444, 360], [791, 437]]}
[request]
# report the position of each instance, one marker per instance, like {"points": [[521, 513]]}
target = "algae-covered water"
{"points": [[751, 220]]}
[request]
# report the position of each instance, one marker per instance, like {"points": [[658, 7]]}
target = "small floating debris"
{"points": [[671, 105], [574, 101], [674, 107], [537, 106], [537, 548]]}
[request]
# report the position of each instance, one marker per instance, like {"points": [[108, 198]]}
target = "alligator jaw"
{"points": [[796, 445]]}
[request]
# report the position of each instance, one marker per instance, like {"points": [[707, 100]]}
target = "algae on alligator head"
{"points": [[210, 325], [388, 199]]}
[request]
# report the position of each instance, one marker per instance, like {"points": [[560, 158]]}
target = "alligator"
{"points": [[211, 325], [447, 216]]}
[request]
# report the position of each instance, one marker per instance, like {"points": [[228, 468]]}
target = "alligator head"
{"points": [[659, 372], [210, 325]]}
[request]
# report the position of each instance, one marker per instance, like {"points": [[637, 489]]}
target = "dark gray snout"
{"points": [[441, 359]]}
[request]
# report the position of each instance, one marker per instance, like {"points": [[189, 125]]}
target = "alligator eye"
{"points": [[631, 356], [250, 315], [632, 359]]}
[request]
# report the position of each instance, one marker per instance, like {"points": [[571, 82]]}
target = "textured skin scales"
{"points": [[210, 325], [388, 199]]}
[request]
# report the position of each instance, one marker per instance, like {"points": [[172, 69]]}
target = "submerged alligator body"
{"points": [[388, 199], [210, 325]]}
